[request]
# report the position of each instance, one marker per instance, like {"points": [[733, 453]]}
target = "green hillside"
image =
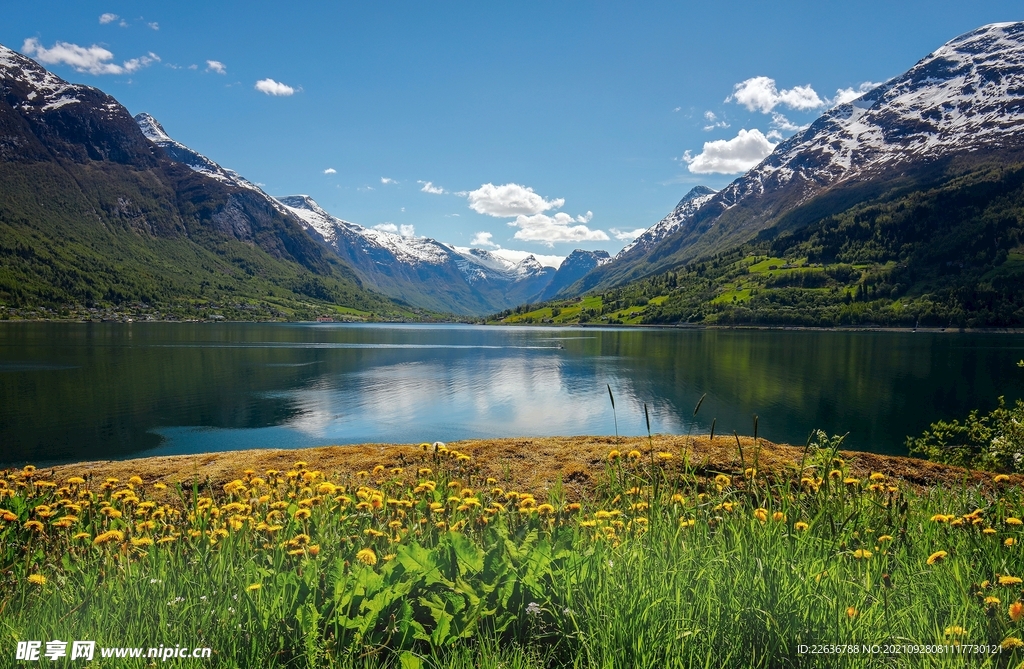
{"points": [[102, 236], [947, 256]]}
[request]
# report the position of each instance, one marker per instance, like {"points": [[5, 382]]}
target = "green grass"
{"points": [[665, 564]]}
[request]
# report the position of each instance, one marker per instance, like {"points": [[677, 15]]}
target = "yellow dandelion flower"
{"points": [[33, 525], [37, 579], [884, 538], [302, 514], [1014, 521], [81, 535], [135, 480], [545, 510], [835, 474], [1009, 580], [877, 476], [851, 612], [723, 480], [992, 600], [988, 530], [574, 506], [800, 526], [254, 587], [849, 480], [761, 514], [106, 537], [954, 630], [76, 480], [940, 518], [141, 542], [1009, 541], [367, 556], [314, 549], [633, 455], [614, 454], [937, 556], [1016, 611], [861, 554], [1011, 642], [665, 455], [779, 517], [8, 516], [1001, 478]]}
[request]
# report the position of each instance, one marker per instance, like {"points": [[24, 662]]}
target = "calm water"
{"points": [[85, 391]]}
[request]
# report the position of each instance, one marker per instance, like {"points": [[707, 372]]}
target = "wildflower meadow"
{"points": [[422, 561]]}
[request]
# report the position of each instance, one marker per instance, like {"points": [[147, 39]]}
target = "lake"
{"points": [[81, 391]]}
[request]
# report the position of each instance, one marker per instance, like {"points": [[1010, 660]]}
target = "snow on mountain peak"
{"points": [[178, 152], [688, 206], [152, 129], [967, 93], [48, 91]]}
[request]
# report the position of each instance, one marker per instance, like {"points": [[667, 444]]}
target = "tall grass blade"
{"points": [[699, 402], [614, 418], [647, 417]]}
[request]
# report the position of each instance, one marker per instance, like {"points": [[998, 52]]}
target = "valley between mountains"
{"points": [[904, 207]]}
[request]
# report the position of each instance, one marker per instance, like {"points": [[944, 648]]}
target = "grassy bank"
{"points": [[640, 553]]}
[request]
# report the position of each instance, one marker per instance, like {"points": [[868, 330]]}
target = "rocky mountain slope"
{"points": [[958, 110], [93, 213]]}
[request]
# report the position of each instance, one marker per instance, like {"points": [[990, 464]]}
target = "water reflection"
{"points": [[82, 391]]}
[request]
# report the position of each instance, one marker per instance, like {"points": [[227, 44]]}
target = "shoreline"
{"points": [[570, 326], [537, 465]]}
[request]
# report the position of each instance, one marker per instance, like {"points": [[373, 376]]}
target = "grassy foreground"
{"points": [[667, 556]]}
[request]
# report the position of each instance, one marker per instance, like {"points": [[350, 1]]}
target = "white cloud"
{"points": [[713, 121], [627, 235], [107, 17], [761, 94], [94, 59], [513, 255], [193, 67], [509, 200], [216, 66], [730, 156], [483, 239], [677, 109], [385, 180], [844, 95], [429, 187], [154, 25], [407, 230], [386, 227], [271, 87], [330, 170], [557, 228]]}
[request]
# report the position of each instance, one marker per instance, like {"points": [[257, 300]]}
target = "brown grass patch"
{"points": [[525, 464]]}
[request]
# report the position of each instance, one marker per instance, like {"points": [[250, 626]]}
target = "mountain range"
{"points": [[78, 171], [958, 110], [906, 204]]}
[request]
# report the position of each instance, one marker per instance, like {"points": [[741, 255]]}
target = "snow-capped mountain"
{"points": [[687, 207], [180, 153], [423, 271], [962, 104], [418, 270], [120, 222]]}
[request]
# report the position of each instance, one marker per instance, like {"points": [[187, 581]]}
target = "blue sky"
{"points": [[532, 126]]}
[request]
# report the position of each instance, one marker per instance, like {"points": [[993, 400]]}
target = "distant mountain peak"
{"points": [[691, 202], [180, 153], [152, 129]]}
